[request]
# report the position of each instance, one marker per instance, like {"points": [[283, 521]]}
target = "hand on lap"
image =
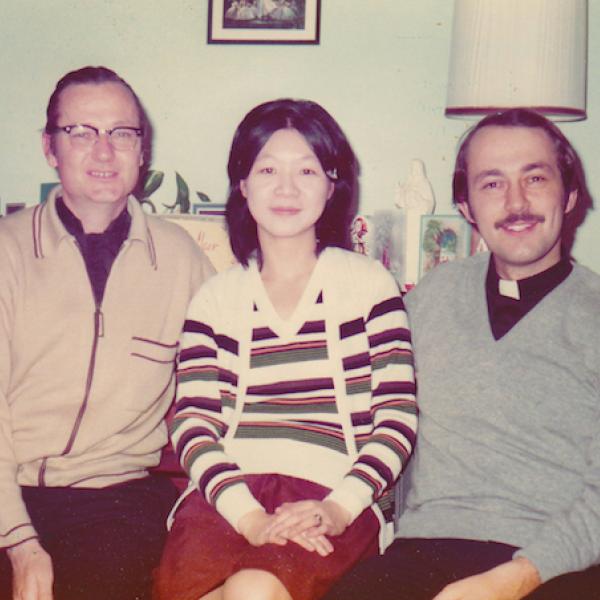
{"points": [[512, 580], [256, 527], [319, 544], [32, 571], [311, 518]]}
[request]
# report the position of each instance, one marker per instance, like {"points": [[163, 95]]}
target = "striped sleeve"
{"points": [[386, 433], [204, 405]]}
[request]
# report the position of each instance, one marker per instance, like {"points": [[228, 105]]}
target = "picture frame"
{"points": [[46, 188], [380, 237], [13, 207], [264, 21], [208, 208], [477, 242], [443, 238], [209, 231]]}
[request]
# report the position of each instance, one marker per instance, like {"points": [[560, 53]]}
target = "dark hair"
{"points": [[329, 144], [569, 164], [98, 75]]}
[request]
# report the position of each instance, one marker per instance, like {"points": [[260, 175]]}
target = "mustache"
{"points": [[519, 218]]}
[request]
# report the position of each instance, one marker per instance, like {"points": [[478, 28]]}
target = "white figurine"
{"points": [[416, 193]]}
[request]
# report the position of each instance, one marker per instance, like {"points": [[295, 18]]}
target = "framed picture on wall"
{"points": [[477, 242], [46, 188], [264, 21], [13, 207], [443, 238]]}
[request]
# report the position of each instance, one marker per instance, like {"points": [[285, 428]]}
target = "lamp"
{"points": [[508, 53]]}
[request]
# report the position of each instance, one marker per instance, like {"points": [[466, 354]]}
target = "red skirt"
{"points": [[203, 550]]}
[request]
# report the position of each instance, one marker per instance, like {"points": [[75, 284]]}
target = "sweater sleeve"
{"points": [[385, 450], [570, 539], [203, 409], [15, 525]]}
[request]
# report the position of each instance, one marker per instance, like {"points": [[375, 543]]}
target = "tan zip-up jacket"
{"points": [[84, 388]]}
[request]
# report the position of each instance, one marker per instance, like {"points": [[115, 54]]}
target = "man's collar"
{"points": [[509, 301], [69, 220], [74, 226], [49, 231], [536, 286]]}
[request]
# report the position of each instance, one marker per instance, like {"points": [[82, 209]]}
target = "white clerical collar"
{"points": [[509, 288]]}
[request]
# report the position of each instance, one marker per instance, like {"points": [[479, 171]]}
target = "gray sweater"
{"points": [[509, 433]]}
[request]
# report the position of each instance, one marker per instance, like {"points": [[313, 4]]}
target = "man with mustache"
{"points": [[504, 492], [93, 296]]}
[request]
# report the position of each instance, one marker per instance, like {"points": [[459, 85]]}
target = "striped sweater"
{"points": [[327, 396]]}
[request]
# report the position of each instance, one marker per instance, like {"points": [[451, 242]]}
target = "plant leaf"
{"points": [[183, 194], [145, 201], [153, 181]]}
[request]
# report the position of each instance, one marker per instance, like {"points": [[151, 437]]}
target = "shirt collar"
{"points": [[509, 301], [117, 228], [531, 288], [49, 230]]}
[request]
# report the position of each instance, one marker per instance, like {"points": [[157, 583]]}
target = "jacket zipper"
{"points": [[98, 333]]}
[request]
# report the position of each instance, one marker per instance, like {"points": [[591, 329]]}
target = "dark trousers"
{"points": [[104, 543], [418, 569]]}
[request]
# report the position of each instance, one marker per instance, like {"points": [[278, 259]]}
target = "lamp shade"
{"points": [[508, 53]]}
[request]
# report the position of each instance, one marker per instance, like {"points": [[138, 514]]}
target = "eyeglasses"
{"points": [[85, 136]]}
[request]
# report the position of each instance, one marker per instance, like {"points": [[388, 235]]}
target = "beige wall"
{"points": [[380, 69]]}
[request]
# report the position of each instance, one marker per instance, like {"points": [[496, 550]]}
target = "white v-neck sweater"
{"points": [[327, 396]]}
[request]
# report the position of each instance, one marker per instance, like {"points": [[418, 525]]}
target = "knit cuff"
{"points": [[353, 495], [547, 560], [235, 502]]}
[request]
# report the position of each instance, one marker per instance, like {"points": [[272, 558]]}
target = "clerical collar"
{"points": [[509, 301]]}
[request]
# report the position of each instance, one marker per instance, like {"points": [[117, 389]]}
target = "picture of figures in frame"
{"points": [[263, 21], [443, 238], [207, 227]]}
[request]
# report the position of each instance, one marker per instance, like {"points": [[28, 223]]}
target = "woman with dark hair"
{"points": [[295, 408], [330, 146]]}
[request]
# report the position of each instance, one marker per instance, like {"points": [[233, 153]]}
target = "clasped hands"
{"points": [[306, 523]]}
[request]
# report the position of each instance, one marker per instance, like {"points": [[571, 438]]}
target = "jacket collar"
{"points": [[49, 232]]}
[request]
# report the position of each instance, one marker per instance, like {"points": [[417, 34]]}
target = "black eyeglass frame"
{"points": [[68, 128]]}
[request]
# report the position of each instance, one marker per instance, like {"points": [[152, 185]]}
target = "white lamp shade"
{"points": [[508, 53]]}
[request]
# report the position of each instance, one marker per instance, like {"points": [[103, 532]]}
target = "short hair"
{"points": [[98, 75], [569, 163], [328, 142]]}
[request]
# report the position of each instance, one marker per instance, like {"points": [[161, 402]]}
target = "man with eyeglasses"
{"points": [[93, 295]]}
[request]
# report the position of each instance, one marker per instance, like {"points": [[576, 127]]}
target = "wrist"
{"points": [[343, 515], [349, 496], [339, 516], [529, 575], [246, 521], [24, 549]]}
